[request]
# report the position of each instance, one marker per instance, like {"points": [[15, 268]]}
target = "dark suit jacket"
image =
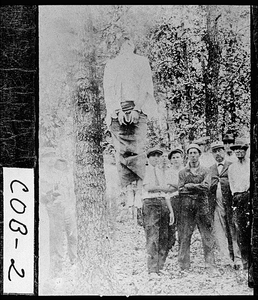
{"points": [[225, 188]]}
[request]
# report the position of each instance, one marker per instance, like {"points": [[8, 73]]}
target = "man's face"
{"points": [[176, 159], [240, 153], [218, 154], [193, 155], [154, 159]]}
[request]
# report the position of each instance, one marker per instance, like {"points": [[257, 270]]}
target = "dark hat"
{"points": [[193, 145], [217, 145], [239, 144], [175, 150], [153, 151], [202, 140], [228, 138]]}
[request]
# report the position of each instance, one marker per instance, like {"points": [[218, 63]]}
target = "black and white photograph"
{"points": [[145, 149]]}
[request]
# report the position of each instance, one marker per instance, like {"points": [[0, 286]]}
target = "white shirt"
{"points": [[220, 166], [172, 175], [206, 159], [219, 192], [149, 179], [128, 77], [239, 176], [232, 158]]}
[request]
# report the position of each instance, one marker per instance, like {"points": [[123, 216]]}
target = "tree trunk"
{"points": [[90, 185], [211, 72]]}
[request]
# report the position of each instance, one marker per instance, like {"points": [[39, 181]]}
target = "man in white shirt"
{"points": [[239, 180], [128, 94], [206, 159], [221, 207], [228, 141], [157, 213], [175, 157]]}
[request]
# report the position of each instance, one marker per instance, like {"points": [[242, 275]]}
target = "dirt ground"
{"points": [[129, 258]]}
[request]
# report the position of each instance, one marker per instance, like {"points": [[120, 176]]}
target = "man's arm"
{"points": [[181, 182], [231, 179], [112, 103], [146, 85], [203, 186]]}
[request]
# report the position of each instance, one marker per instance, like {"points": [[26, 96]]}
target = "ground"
{"points": [[129, 257]]}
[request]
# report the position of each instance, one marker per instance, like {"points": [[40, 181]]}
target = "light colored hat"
{"points": [[154, 150], [175, 150], [239, 144], [48, 151], [193, 145], [217, 145]]}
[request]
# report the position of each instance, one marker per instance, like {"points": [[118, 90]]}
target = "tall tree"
{"points": [[90, 185], [211, 71]]}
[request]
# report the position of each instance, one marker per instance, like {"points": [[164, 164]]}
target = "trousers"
{"points": [[129, 143], [156, 225], [175, 205], [63, 230], [192, 213], [241, 219], [221, 239]]}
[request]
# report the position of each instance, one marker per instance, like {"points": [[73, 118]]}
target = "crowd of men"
{"points": [[210, 194], [210, 191]]}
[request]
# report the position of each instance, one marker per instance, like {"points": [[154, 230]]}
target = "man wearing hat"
{"points": [[129, 98], [175, 157], [193, 184], [206, 158], [239, 181], [157, 212], [58, 199], [228, 141], [221, 208]]}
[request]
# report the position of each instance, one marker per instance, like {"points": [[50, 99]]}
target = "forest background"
{"points": [[200, 59]]}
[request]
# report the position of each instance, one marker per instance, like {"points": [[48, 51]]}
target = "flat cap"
{"points": [[193, 145], [239, 144], [217, 145], [175, 150], [153, 151]]}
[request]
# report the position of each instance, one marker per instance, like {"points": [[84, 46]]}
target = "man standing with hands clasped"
{"points": [[193, 185], [239, 181], [221, 207]]}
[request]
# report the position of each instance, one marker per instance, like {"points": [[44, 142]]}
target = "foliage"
{"points": [[171, 37], [75, 44]]}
